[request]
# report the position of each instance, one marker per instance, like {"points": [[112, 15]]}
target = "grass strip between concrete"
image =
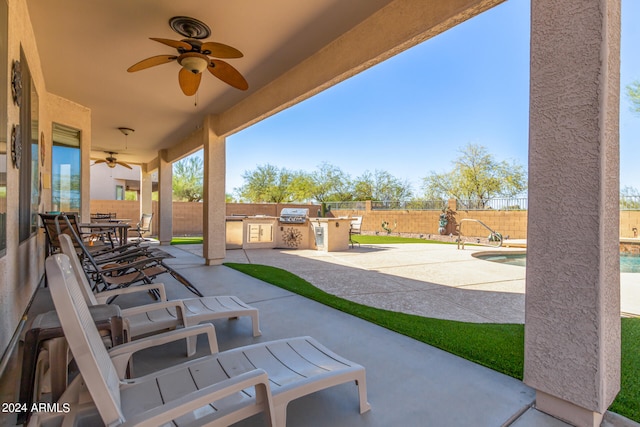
{"points": [[496, 346]]}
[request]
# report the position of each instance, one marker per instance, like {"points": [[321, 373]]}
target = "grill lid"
{"points": [[294, 215]]}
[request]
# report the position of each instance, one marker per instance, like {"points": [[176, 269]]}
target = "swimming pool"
{"points": [[628, 263]]}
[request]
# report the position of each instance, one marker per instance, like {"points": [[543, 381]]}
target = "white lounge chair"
{"points": [[218, 389], [163, 315]]}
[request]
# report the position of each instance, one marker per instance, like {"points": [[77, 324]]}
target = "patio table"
{"points": [[120, 229]]}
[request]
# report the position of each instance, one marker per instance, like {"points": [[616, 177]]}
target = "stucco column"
{"points": [[165, 199], [214, 209], [146, 188], [572, 329]]}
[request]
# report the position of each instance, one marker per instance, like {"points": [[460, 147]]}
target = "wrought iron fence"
{"points": [[424, 205], [358, 205], [629, 203], [509, 204]]}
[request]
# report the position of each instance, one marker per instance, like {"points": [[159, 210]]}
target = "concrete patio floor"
{"points": [[409, 383], [430, 280]]}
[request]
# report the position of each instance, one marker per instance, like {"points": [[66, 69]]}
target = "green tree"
{"points": [[476, 176], [380, 185], [301, 187], [187, 179], [633, 93], [267, 184], [330, 183], [629, 198]]}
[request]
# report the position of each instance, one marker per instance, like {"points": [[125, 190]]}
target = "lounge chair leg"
{"points": [[262, 395], [255, 322], [182, 280], [192, 343], [281, 415], [362, 394]]}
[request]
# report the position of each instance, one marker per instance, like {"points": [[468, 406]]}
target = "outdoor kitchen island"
{"points": [[293, 229]]}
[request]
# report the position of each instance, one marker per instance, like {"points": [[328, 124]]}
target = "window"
{"points": [[65, 169], [29, 197], [119, 192]]}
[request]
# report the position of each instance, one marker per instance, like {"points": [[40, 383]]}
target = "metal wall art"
{"points": [[16, 146], [16, 83], [292, 237]]}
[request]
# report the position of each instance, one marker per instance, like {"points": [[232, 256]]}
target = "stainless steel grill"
{"points": [[294, 215]]}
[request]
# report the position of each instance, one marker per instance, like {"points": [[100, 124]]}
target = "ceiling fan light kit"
{"points": [[194, 62], [193, 56]]}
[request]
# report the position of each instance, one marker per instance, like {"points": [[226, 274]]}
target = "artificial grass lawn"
{"points": [[496, 346], [186, 240]]}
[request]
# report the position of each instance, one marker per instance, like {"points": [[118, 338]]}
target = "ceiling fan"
{"points": [[194, 56], [111, 161]]}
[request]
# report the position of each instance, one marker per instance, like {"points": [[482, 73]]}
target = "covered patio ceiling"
{"points": [[292, 50]]}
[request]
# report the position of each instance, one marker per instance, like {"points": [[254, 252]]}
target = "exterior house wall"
{"points": [[104, 180], [22, 265]]}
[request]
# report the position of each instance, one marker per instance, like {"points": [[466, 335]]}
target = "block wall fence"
{"points": [[187, 218]]}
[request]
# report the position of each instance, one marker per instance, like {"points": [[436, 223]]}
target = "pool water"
{"points": [[628, 263]]}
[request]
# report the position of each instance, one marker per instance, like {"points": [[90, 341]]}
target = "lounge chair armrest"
{"points": [[121, 354], [104, 296], [190, 402]]}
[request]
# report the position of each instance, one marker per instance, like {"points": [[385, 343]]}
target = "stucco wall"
{"points": [[507, 223], [188, 218], [22, 267], [572, 308]]}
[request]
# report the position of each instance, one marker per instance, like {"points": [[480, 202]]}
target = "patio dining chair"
{"points": [[106, 234], [67, 223], [218, 389], [355, 229], [144, 226]]}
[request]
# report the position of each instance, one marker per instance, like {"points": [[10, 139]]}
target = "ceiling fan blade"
{"points": [[177, 44], [228, 74], [189, 82], [124, 165], [99, 161], [151, 62], [220, 50]]}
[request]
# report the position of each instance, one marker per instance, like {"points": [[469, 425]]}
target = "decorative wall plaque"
{"points": [[16, 83], [16, 146]]}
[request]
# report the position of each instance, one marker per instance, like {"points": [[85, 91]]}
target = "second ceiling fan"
{"points": [[111, 161], [196, 56]]}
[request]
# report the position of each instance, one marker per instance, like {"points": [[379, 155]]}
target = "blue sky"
{"points": [[411, 114]]}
